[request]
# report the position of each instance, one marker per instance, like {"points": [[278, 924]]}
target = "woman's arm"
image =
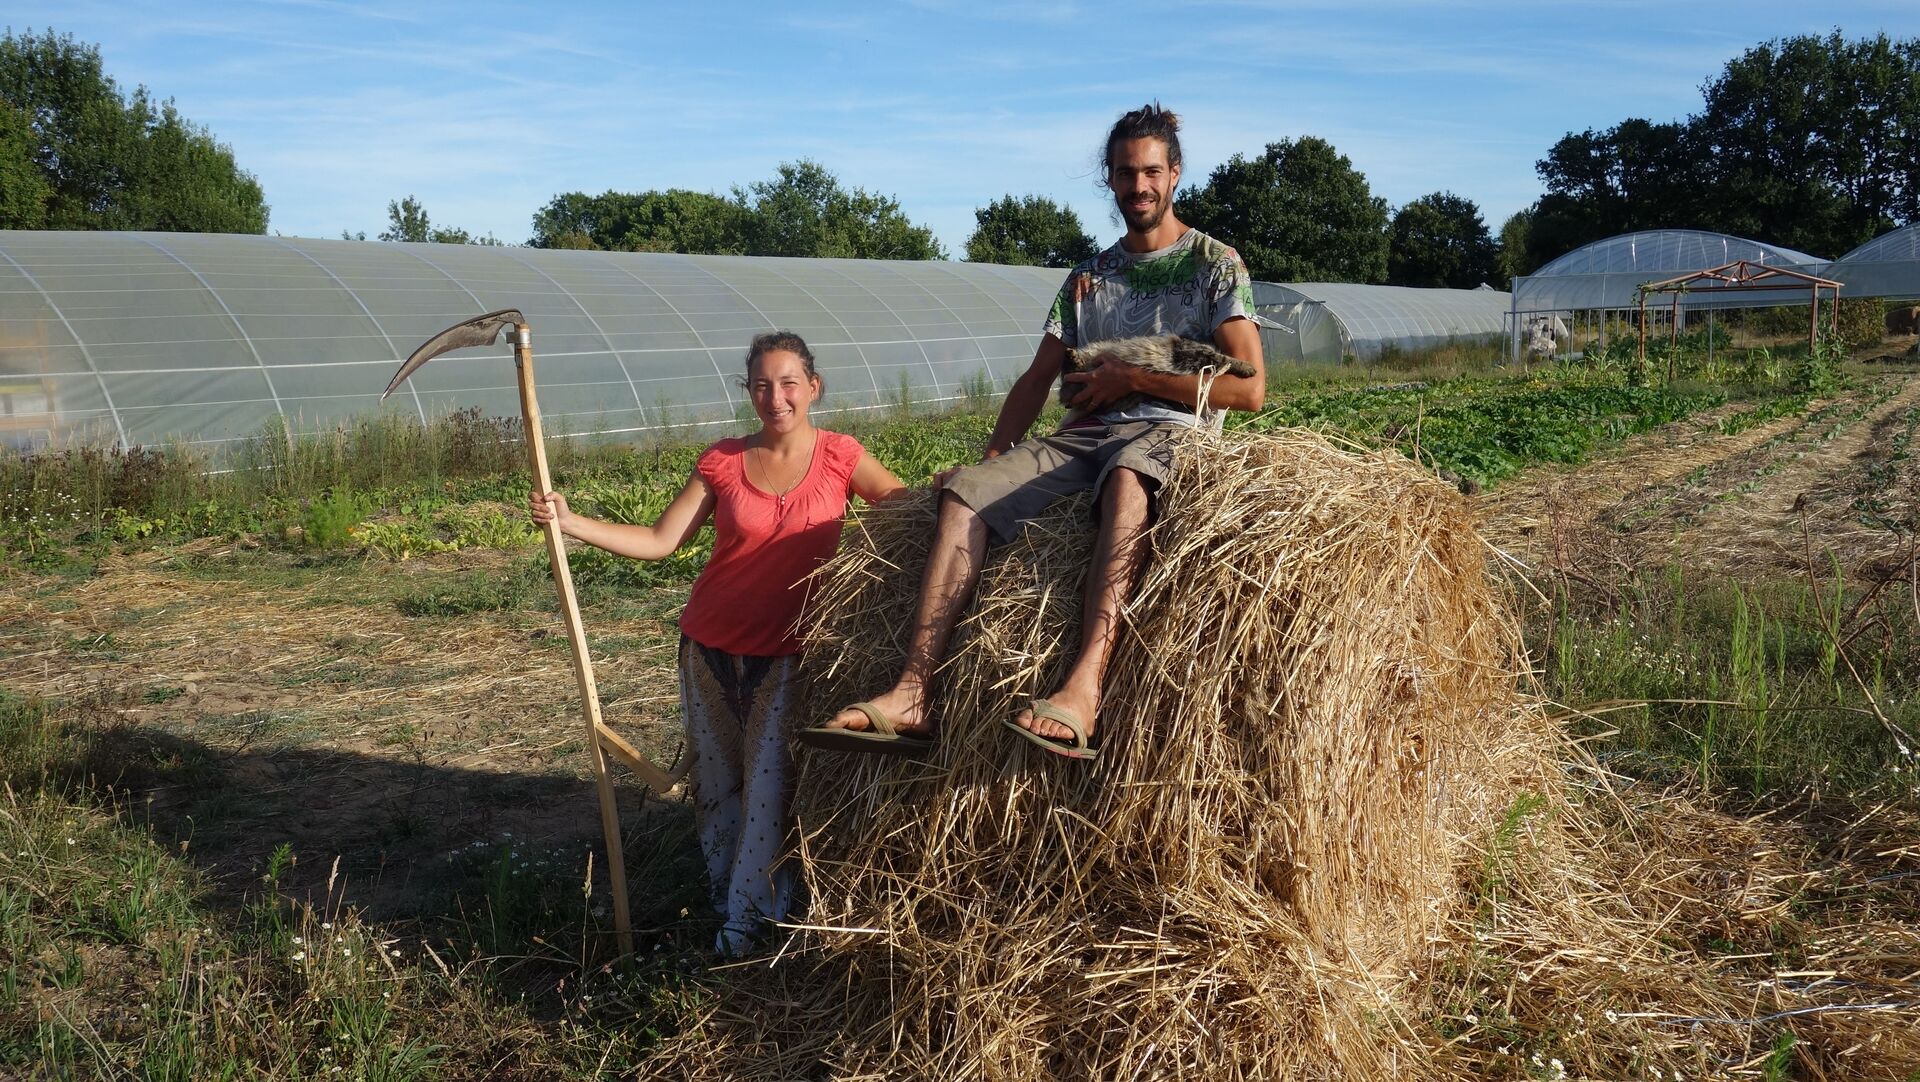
{"points": [[874, 482], [675, 526]]}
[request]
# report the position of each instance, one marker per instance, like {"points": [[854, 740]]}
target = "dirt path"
{"points": [[1844, 470]]}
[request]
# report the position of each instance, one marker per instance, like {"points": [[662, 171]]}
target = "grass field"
{"points": [[294, 784]]}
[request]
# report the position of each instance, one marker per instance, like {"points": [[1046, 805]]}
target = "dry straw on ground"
{"points": [[1296, 858], [1312, 707]]}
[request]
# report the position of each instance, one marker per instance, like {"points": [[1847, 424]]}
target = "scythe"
{"points": [[601, 740]]}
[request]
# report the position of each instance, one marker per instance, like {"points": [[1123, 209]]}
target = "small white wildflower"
{"points": [[386, 995], [70, 841], [1612, 1017], [1472, 1018], [346, 952], [396, 954], [326, 925], [299, 956], [297, 941]]}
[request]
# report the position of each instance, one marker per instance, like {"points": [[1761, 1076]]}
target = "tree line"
{"points": [[78, 153], [1808, 142]]}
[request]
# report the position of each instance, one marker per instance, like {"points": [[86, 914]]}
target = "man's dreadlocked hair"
{"points": [[1147, 122]]}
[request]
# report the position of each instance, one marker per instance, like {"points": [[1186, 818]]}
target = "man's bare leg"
{"points": [[953, 570], [1117, 557]]}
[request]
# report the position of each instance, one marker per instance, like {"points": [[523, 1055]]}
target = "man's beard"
{"points": [[1149, 218]]}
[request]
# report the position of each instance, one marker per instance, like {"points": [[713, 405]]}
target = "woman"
{"points": [[777, 499]]}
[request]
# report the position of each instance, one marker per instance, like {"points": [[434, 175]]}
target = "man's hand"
{"points": [[1103, 384], [940, 479]]}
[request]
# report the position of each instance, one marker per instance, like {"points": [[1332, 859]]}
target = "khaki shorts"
{"points": [[1018, 485]]}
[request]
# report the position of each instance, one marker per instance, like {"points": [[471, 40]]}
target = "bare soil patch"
{"points": [[1840, 477]]}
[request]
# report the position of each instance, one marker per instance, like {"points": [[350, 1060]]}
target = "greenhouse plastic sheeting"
{"points": [[147, 338], [1608, 273], [1323, 322], [1886, 266]]}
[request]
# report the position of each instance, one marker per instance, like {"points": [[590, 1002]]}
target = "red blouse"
{"points": [[750, 597]]}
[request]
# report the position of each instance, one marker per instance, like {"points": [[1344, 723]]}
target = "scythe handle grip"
{"points": [[576, 640]]}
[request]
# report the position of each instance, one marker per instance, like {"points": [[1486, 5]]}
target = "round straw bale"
{"points": [[1311, 711]]}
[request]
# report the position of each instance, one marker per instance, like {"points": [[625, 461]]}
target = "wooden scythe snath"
{"points": [[601, 741], [1739, 276]]}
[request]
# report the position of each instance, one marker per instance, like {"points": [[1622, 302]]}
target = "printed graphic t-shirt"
{"points": [[750, 596], [1188, 288]]}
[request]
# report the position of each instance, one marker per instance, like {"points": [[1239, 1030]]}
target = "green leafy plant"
{"points": [[1819, 371], [401, 540], [330, 517], [491, 528], [1760, 368]]}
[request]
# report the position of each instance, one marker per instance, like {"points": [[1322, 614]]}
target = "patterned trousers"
{"points": [[736, 710]]}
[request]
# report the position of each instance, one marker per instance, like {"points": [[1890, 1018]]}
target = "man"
{"points": [[1161, 278]]}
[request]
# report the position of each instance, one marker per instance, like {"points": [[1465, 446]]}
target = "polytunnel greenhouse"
{"points": [[1886, 266], [1322, 322], [1607, 274], [148, 338]]}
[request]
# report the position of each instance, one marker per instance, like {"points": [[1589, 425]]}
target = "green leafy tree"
{"points": [[675, 220], [1300, 212], [23, 187], [1807, 142], [1635, 175], [1515, 257], [1439, 240], [1028, 231], [107, 160], [1810, 142], [407, 220], [803, 211]]}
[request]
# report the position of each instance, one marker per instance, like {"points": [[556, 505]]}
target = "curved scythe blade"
{"points": [[478, 331]]}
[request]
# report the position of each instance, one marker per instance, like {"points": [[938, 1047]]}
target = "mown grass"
{"points": [[120, 958]]}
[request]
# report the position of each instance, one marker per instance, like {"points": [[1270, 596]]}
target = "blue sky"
{"points": [[485, 111]]}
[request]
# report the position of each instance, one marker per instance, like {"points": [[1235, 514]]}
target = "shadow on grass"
{"points": [[496, 859]]}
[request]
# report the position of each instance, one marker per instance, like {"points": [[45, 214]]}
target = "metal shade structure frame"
{"points": [[1602, 279], [1741, 276]]}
